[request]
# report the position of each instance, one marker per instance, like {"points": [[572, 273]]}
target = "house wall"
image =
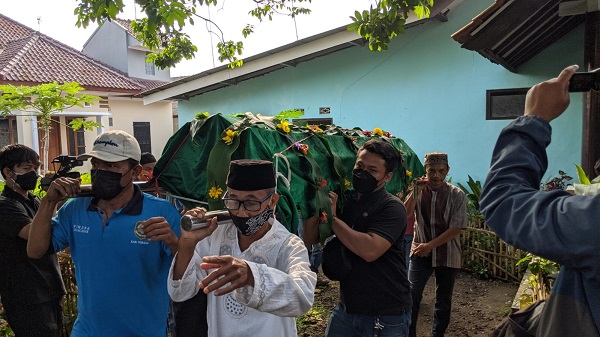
{"points": [[27, 130], [125, 112], [109, 45], [425, 89], [136, 60]]}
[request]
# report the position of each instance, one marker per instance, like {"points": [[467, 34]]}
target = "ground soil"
{"points": [[477, 308]]}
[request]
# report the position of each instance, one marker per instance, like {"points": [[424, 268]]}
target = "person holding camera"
{"points": [[31, 290], [122, 242], [554, 225], [255, 272], [374, 292]]}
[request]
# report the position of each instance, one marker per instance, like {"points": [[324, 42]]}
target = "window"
{"points": [[75, 139], [150, 68], [8, 131], [505, 103], [312, 121], [141, 132]]}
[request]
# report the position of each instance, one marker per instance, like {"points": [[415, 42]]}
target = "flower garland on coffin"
{"points": [[230, 140]]}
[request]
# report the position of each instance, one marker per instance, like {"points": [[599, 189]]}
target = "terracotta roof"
{"points": [[125, 24], [148, 84], [11, 30], [29, 57], [510, 33]]}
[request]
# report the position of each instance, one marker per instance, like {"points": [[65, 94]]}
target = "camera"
{"points": [[66, 164], [582, 82]]}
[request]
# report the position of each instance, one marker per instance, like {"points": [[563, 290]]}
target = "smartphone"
{"points": [[582, 82]]}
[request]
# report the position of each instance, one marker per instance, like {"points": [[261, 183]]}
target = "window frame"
{"points": [[517, 93], [13, 132], [76, 134], [145, 145]]}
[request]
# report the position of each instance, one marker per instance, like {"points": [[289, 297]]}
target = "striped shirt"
{"points": [[437, 211]]}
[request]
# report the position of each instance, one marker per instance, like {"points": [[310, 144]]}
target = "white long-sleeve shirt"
{"points": [[283, 284]]}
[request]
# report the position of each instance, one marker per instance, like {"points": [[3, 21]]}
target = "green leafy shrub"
{"points": [[5, 330], [473, 194]]}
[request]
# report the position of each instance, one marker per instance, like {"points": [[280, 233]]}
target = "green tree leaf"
{"points": [[43, 101], [161, 30]]}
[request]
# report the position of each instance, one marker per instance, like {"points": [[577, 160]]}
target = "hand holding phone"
{"points": [[582, 82]]}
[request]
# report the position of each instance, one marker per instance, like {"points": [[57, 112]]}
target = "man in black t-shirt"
{"points": [[30, 290], [375, 296]]}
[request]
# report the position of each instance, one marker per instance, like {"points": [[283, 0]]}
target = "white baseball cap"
{"points": [[113, 146]]}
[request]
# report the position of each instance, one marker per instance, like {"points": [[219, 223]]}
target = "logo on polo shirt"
{"points": [[81, 229], [137, 230]]}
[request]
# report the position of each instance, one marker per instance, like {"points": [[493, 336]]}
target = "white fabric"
{"points": [[283, 284]]}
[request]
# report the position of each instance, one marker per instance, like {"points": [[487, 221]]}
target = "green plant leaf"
{"points": [[583, 179], [289, 114]]}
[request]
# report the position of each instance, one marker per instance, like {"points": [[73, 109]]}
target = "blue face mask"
{"points": [[251, 225]]}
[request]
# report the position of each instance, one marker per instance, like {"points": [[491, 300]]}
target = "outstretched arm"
{"points": [[554, 225], [40, 232]]}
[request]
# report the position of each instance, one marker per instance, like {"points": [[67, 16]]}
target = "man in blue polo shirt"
{"points": [[122, 242]]}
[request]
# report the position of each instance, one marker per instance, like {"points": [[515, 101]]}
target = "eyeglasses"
{"points": [[249, 205]]}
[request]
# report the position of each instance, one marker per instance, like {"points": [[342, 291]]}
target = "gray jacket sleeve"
{"points": [[554, 224]]}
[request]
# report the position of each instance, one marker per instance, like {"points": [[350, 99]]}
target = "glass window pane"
{"points": [[4, 139], [80, 139], [4, 125]]}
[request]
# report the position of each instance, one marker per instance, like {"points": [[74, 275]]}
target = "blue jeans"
{"points": [[408, 239], [316, 256], [315, 251], [343, 324], [418, 275]]}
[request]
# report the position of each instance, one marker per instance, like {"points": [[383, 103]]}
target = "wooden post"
{"points": [[590, 149]]}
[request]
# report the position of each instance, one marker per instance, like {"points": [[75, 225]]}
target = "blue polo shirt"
{"points": [[121, 278]]}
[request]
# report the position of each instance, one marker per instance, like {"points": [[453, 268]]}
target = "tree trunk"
{"points": [[46, 147]]}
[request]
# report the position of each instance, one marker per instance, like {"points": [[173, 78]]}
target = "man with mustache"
{"points": [[440, 214]]}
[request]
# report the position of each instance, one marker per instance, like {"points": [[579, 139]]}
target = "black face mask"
{"points": [[106, 185], [26, 181], [363, 181], [251, 225]]}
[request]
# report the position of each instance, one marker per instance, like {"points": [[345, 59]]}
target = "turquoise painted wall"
{"points": [[425, 89]]}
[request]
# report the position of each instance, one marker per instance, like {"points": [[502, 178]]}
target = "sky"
{"points": [[56, 19]]}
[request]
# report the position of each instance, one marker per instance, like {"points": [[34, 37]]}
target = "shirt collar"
{"points": [[10, 193], [133, 207]]}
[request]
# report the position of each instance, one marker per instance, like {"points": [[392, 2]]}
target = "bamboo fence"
{"points": [[488, 256], [67, 269]]}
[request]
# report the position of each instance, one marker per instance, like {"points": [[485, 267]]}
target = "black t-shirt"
{"points": [[24, 280], [380, 287]]}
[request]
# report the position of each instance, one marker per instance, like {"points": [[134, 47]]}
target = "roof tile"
{"points": [[29, 56]]}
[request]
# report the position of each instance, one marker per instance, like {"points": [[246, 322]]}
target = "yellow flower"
{"points": [[377, 132], [215, 192], [229, 135], [408, 173], [284, 126], [346, 183]]}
